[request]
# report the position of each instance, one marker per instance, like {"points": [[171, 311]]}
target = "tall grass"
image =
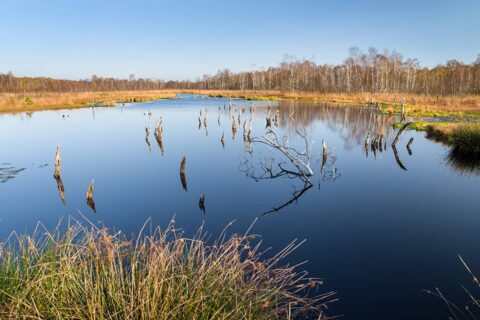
{"points": [[466, 139], [91, 273]]}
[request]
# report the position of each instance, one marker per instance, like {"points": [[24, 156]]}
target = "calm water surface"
{"points": [[378, 234]]}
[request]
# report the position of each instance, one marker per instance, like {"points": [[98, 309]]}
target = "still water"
{"points": [[380, 229]]}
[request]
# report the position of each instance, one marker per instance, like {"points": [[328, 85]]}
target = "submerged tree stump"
{"points": [[89, 195], [58, 164]]}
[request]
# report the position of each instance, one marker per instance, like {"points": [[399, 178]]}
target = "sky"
{"points": [[175, 40]]}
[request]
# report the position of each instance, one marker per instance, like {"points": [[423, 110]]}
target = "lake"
{"points": [[380, 227]]}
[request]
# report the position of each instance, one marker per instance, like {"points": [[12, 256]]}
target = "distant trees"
{"points": [[371, 72], [10, 83]]}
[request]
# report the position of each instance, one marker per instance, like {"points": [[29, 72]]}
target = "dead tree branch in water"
{"points": [[300, 160], [400, 132], [273, 169]]}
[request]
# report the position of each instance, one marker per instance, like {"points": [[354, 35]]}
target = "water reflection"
{"points": [[147, 139], [8, 172], [61, 188], [201, 203], [351, 123], [462, 163], [183, 179]]}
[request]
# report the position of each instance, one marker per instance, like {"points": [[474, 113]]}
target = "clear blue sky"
{"points": [[186, 39]]}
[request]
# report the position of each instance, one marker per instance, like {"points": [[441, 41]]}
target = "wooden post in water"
{"points": [[158, 133], [89, 195], [403, 108], [58, 164]]}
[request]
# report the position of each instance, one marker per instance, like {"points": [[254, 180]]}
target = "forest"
{"points": [[371, 72]]}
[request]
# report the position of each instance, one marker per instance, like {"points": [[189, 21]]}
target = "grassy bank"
{"points": [[417, 105], [463, 137], [89, 273], [10, 102]]}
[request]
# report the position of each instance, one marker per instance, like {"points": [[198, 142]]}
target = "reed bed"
{"points": [[86, 272]]}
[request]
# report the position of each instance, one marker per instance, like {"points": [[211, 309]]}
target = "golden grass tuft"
{"points": [[91, 273]]}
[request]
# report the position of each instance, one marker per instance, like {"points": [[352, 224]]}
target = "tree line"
{"points": [[371, 72]]}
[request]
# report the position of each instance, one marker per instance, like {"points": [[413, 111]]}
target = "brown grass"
{"points": [[91, 273], [389, 103], [12, 102]]}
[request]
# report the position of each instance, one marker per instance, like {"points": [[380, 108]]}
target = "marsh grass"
{"points": [[16, 102], [466, 139], [92, 273], [470, 310]]}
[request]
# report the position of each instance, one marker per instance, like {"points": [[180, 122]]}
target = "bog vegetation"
{"points": [[90, 273]]}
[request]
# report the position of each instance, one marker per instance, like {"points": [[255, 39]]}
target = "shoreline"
{"points": [[42, 101], [415, 105]]}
